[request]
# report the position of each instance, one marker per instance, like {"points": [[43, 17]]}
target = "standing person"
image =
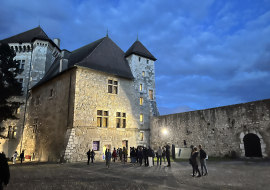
{"points": [[137, 156], [168, 155], [88, 155], [145, 154], [108, 157], [120, 154], [15, 157], [150, 158], [195, 162], [159, 155], [133, 156], [202, 160], [153, 156], [4, 171], [124, 157], [92, 155], [22, 156], [114, 154], [163, 154], [140, 155]]}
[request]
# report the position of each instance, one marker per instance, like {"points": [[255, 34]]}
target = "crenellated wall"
{"points": [[220, 130]]}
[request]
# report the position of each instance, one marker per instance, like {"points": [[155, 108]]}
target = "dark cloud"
{"points": [[211, 53]]}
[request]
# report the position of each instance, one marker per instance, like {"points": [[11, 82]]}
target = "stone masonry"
{"points": [[220, 130]]}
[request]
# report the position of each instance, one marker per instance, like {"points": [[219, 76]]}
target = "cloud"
{"points": [[210, 53]]}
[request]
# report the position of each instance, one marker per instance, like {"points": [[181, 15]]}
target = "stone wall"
{"points": [[220, 130], [91, 94], [50, 117]]}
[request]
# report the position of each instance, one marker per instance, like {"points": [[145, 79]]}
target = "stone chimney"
{"points": [[64, 60], [57, 41]]}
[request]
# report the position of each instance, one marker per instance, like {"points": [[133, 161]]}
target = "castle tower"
{"points": [[35, 52], [142, 65]]}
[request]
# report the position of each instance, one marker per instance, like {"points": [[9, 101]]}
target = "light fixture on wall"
{"points": [[165, 132]]}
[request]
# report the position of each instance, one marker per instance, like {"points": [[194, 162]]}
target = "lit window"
{"points": [[120, 120], [140, 87], [96, 145], [102, 118], [151, 94], [143, 73], [141, 100], [141, 117], [112, 87], [141, 136]]}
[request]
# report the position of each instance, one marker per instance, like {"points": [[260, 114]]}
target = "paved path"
{"points": [[222, 175]]}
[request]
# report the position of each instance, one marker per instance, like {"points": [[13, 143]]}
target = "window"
{"points": [[35, 125], [51, 92], [143, 73], [140, 87], [102, 118], [10, 132], [38, 100], [147, 61], [120, 120], [141, 100], [141, 136], [96, 145], [112, 86], [22, 65], [139, 59], [151, 94], [141, 117], [20, 80], [14, 133]]}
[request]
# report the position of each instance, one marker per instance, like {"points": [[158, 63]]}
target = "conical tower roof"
{"points": [[138, 48]]}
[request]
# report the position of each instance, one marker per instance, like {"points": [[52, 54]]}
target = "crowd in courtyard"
{"points": [[142, 156]]}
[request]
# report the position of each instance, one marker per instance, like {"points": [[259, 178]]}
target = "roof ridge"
{"points": [[93, 49]]}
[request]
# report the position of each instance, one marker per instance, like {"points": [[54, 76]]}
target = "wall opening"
{"points": [[252, 145]]}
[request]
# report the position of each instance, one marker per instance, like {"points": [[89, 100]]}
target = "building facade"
{"points": [[95, 97], [34, 51]]}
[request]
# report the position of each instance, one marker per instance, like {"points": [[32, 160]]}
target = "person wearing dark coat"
{"points": [[22, 156], [168, 155], [140, 155], [92, 155], [194, 160], [88, 155], [145, 157], [4, 171], [133, 156]]}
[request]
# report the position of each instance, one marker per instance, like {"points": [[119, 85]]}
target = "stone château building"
{"points": [[95, 97]]}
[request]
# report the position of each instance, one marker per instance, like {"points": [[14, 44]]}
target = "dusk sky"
{"points": [[209, 53]]}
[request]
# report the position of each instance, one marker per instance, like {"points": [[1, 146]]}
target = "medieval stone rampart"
{"points": [[220, 130]]}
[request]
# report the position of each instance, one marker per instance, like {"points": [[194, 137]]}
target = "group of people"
{"points": [[195, 158], [137, 155], [15, 157], [90, 154]]}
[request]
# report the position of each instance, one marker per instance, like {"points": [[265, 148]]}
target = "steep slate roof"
{"points": [[29, 36], [101, 55], [139, 49]]}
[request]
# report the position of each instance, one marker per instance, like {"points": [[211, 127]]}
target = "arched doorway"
{"points": [[252, 145]]}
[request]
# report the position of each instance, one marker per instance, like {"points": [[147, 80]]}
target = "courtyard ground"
{"points": [[237, 174]]}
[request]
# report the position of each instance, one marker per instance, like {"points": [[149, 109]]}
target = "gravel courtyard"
{"points": [[222, 175]]}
